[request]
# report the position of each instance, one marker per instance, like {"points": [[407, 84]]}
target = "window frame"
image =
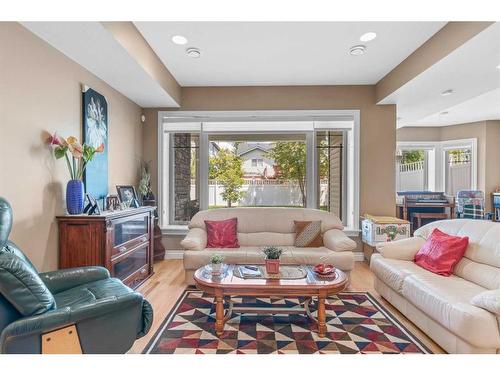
{"points": [[437, 181], [212, 122]]}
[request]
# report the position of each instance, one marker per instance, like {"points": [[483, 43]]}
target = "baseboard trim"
{"points": [[174, 254], [359, 256]]}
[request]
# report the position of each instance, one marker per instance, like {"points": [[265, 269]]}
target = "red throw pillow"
{"points": [[441, 252], [222, 233]]}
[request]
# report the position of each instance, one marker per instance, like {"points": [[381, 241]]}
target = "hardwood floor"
{"points": [[166, 285]]}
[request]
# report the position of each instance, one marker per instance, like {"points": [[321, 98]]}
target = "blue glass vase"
{"points": [[74, 197]]}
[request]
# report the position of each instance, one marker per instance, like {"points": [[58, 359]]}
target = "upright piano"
{"points": [[421, 207]]}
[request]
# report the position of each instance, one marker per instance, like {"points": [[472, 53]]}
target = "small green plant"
{"points": [[272, 252], [216, 259]]}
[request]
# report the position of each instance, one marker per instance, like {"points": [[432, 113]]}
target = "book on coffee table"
{"points": [[249, 273]]}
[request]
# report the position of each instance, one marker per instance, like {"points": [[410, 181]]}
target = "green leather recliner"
{"points": [[108, 315]]}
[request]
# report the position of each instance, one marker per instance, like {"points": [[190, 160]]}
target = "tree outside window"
{"points": [[225, 168]]}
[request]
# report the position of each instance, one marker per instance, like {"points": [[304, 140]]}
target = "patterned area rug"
{"points": [[356, 323]]}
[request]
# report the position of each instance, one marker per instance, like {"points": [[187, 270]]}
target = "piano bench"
{"points": [[428, 215]]}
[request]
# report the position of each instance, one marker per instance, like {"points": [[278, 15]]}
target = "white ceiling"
{"points": [[93, 47], [288, 53], [470, 71], [480, 108]]}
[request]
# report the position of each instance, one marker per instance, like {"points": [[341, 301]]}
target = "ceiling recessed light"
{"points": [[357, 50], [193, 52], [498, 67], [444, 113], [447, 92], [368, 36], [179, 39]]}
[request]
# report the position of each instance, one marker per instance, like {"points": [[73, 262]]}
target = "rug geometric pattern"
{"points": [[356, 323]]}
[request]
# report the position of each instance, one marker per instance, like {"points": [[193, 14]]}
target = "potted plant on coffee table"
{"points": [[273, 255], [216, 264]]}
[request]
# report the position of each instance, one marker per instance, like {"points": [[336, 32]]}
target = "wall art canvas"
{"points": [[95, 133]]}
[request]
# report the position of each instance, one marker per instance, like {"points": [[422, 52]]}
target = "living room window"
{"points": [[185, 180], [442, 166], [258, 170], [267, 159]]}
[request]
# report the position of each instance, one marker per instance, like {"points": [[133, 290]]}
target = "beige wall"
{"points": [[487, 134], [377, 133], [40, 91], [492, 157]]}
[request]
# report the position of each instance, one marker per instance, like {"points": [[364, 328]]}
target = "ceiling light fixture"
{"points": [[179, 39], [193, 52], [368, 36], [444, 113], [357, 50], [447, 92], [498, 67]]}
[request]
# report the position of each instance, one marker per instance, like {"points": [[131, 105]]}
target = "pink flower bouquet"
{"points": [[81, 154]]}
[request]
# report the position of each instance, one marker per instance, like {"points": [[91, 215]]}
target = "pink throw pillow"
{"points": [[441, 252], [222, 234]]}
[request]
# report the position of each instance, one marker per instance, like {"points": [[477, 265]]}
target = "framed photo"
{"points": [[112, 203], [92, 208], [127, 195]]}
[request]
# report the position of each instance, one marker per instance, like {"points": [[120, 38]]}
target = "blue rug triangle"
{"points": [[401, 345], [362, 345], [282, 344]]}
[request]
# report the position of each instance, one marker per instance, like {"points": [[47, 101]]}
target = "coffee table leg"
{"points": [[321, 317], [219, 315]]}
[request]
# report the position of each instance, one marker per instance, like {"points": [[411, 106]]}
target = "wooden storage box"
{"points": [[377, 229]]}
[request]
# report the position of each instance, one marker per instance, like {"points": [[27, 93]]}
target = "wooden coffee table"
{"points": [[229, 285]]}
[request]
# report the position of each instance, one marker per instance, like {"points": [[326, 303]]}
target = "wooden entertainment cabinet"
{"points": [[121, 241]]}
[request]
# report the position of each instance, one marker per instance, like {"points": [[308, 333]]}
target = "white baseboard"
{"points": [[174, 254], [359, 256]]}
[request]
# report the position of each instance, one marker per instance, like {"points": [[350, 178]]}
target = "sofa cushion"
{"points": [[222, 233], [267, 219], [482, 274], [447, 301], [307, 233], [393, 271], [484, 235], [488, 300], [22, 287], [253, 255], [266, 239], [441, 252]]}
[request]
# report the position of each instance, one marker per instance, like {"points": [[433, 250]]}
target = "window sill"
{"points": [[181, 230], [175, 230]]}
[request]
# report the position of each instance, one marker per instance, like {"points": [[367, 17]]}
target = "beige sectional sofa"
{"points": [[258, 227], [461, 312]]}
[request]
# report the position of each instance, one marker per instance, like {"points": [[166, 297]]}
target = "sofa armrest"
{"points": [[336, 240], [404, 249], [60, 280], [196, 239], [489, 300]]}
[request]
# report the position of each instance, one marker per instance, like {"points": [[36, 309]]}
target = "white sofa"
{"points": [[461, 312], [258, 227]]}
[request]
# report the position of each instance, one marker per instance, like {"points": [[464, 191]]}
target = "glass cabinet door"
{"points": [[124, 268], [130, 229]]}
